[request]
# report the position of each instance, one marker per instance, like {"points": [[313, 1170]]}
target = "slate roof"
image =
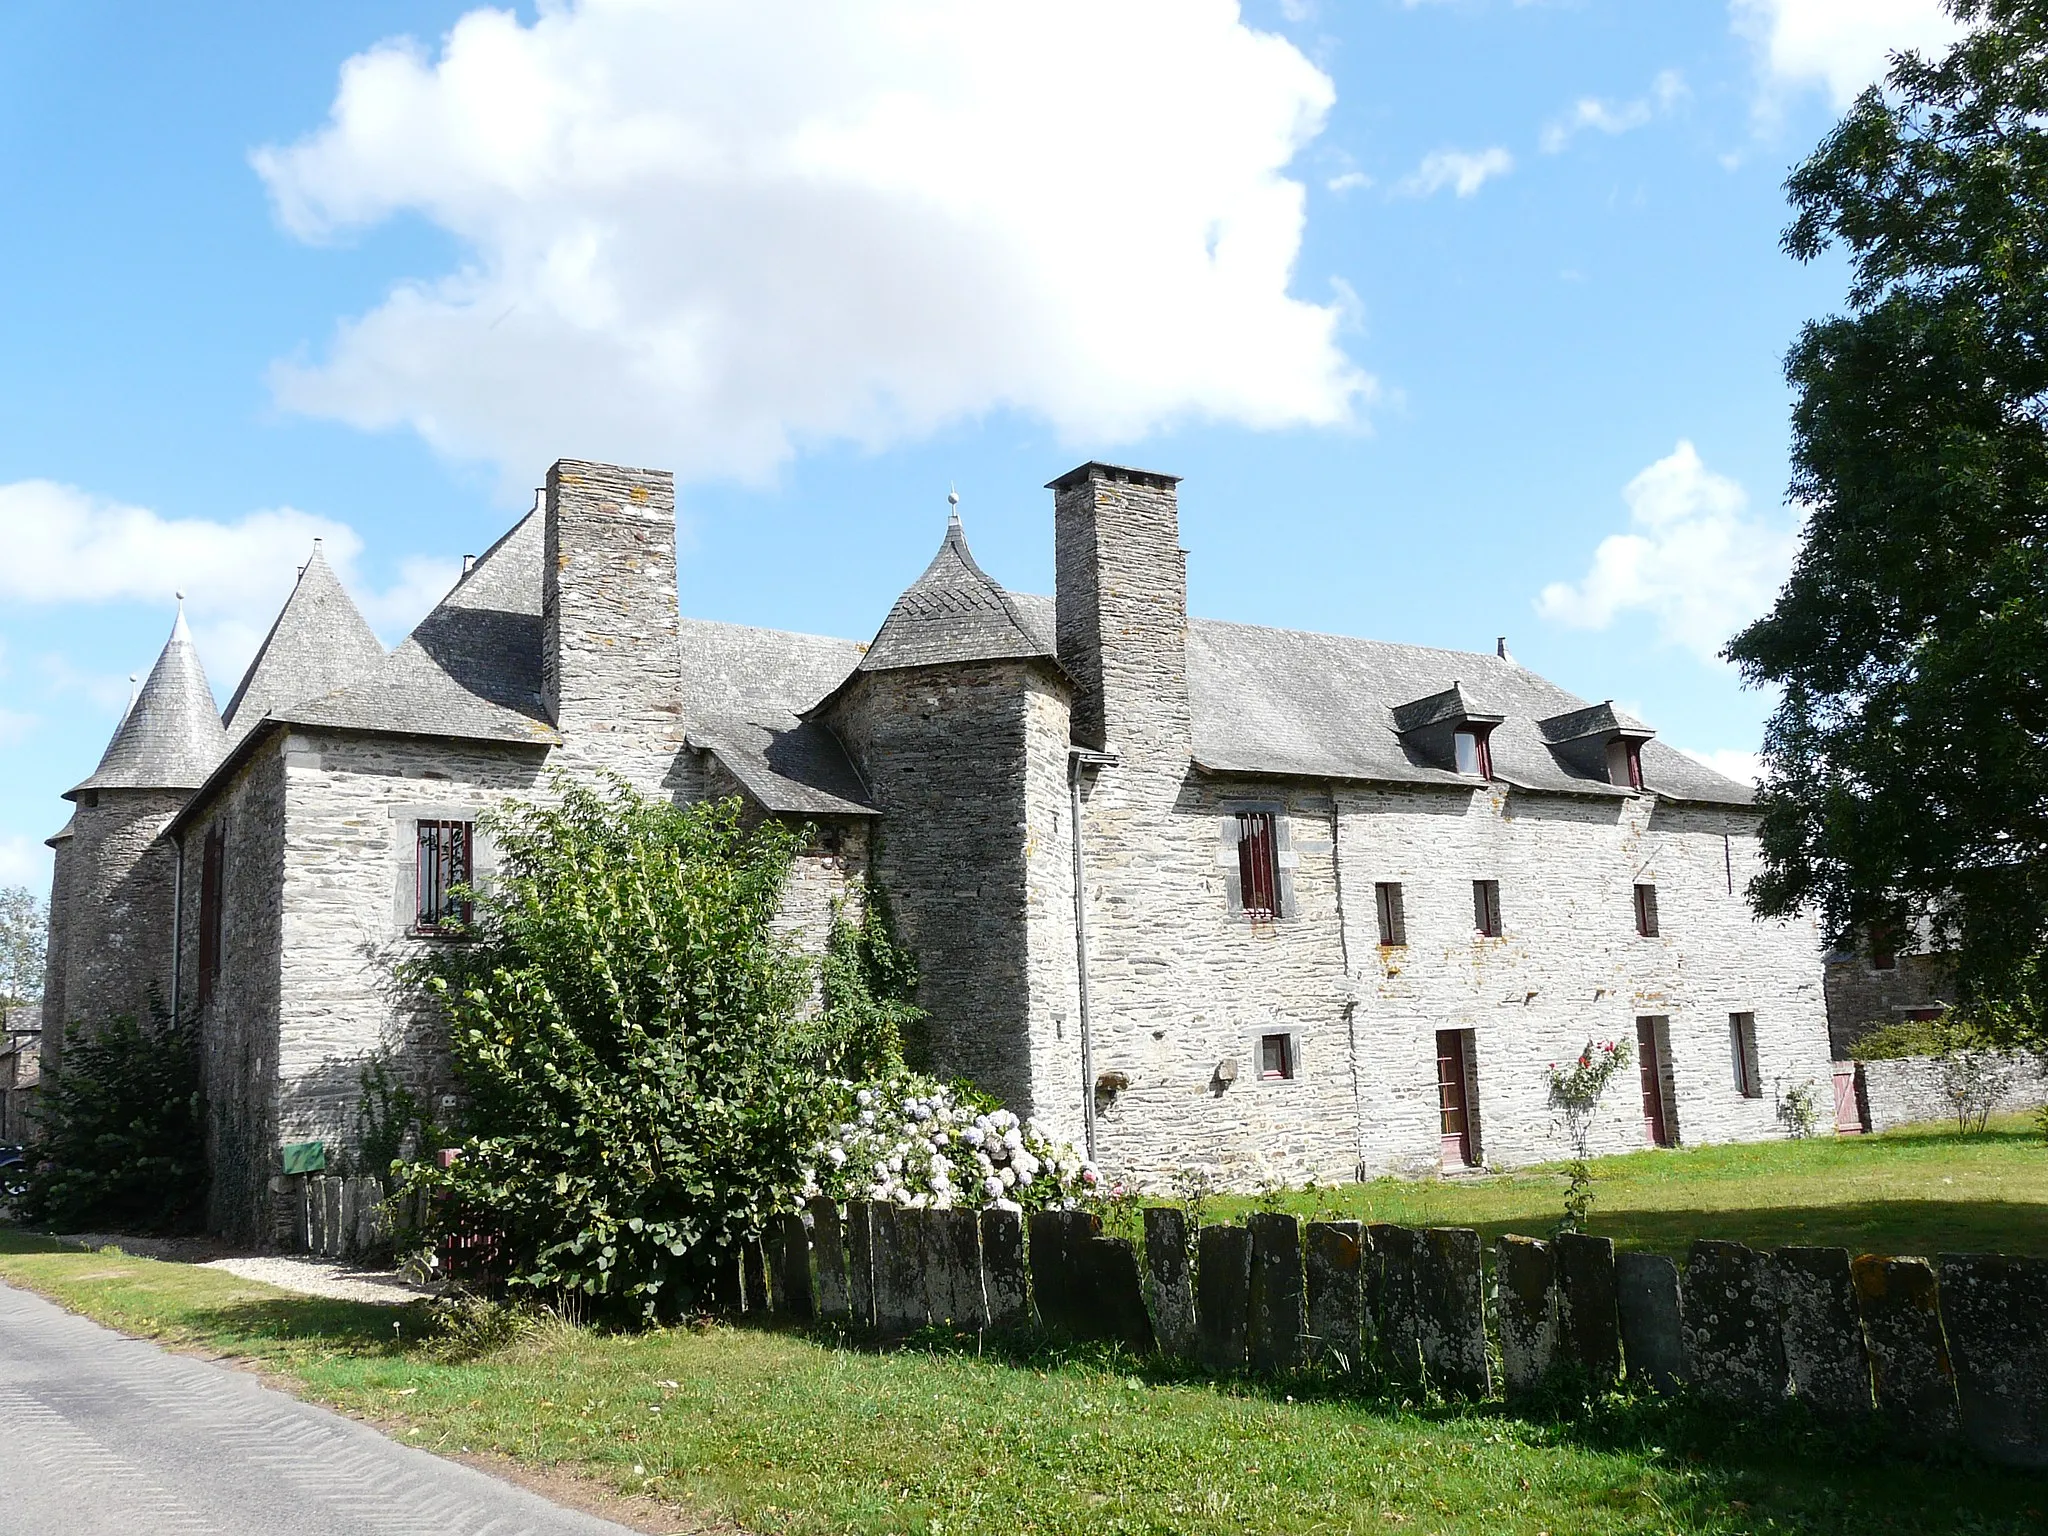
{"points": [[743, 690], [319, 643], [171, 737], [1291, 704], [954, 612], [470, 671], [62, 834]]}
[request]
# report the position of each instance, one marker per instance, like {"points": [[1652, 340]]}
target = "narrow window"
{"points": [[1742, 1055], [1258, 865], [212, 861], [1924, 1015], [1486, 907], [1884, 948], [1472, 753], [1646, 911], [1625, 764], [444, 864], [1393, 919], [1276, 1057]]}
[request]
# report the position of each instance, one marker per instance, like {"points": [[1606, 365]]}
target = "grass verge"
{"points": [[1924, 1190], [782, 1432]]}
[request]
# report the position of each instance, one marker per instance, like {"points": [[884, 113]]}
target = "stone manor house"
{"points": [[1193, 893]]}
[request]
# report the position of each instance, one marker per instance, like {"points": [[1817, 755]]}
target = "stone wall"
{"points": [[1929, 1353], [967, 765], [1909, 1090], [120, 889], [239, 1022], [56, 957], [1862, 997]]}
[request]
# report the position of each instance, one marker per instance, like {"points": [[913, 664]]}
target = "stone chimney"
{"points": [[1122, 596], [611, 670]]}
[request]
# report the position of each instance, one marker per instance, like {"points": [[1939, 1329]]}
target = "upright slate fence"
{"points": [[1953, 1349]]}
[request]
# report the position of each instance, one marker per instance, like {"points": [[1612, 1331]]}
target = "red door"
{"points": [[1652, 1069], [1450, 1095]]}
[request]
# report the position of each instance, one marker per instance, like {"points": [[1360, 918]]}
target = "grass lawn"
{"points": [[782, 1432], [1924, 1190]]}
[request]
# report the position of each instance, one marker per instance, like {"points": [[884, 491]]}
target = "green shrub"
{"points": [[628, 1028], [122, 1143], [1918, 1037]]}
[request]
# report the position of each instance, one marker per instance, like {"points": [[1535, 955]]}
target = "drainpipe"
{"points": [[1350, 982], [1077, 759]]}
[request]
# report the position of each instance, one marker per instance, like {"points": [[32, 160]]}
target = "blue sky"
{"points": [[1460, 317]]}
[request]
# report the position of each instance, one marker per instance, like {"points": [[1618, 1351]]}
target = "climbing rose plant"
{"points": [[1575, 1093], [919, 1143]]}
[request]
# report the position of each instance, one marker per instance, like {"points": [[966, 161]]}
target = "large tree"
{"points": [[1906, 768], [24, 922]]}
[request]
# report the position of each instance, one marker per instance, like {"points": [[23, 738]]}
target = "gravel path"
{"points": [[334, 1278]]}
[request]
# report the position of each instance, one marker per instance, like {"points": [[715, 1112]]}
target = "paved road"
{"points": [[102, 1433]]}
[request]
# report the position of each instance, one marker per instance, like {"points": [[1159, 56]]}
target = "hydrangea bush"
{"points": [[919, 1142]]}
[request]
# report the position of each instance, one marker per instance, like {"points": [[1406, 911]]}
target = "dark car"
{"points": [[10, 1157]]}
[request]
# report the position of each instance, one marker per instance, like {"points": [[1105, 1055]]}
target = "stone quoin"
{"points": [[1267, 903]]}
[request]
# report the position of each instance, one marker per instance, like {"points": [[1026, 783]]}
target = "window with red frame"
{"points": [[1472, 752], [1258, 865]]}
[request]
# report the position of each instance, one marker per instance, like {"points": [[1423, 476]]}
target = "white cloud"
{"points": [[1464, 171], [706, 235], [1839, 45], [1743, 767], [1698, 561], [65, 546], [1349, 181], [1592, 113]]}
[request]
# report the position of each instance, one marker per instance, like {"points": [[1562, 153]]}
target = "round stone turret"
{"points": [[119, 875]]}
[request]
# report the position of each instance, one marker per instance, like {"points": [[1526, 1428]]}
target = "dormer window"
{"points": [[1600, 743], [1625, 763], [1470, 751], [1447, 731]]}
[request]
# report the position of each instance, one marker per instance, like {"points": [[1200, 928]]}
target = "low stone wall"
{"points": [[1953, 1349], [1910, 1089]]}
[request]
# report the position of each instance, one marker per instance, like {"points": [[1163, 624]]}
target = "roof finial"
{"points": [[134, 687], [178, 630], [952, 505]]}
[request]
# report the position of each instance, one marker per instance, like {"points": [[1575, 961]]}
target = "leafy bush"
{"points": [[919, 1143], [1917, 1037], [122, 1140], [627, 1024]]}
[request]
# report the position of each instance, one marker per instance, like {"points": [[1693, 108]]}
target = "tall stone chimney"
{"points": [[1122, 597], [611, 670]]}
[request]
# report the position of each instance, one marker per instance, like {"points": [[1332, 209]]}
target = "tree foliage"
{"points": [[122, 1140], [1904, 769], [644, 1078], [24, 930]]}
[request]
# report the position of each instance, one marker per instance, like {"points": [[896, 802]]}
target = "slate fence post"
{"points": [[1277, 1317], [1333, 1254]]}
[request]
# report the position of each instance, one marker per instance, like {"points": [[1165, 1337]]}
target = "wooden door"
{"points": [[1651, 1065], [1454, 1113], [1848, 1107]]}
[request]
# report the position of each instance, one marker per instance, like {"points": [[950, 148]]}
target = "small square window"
{"points": [[1625, 764], [1276, 1057], [1486, 908], [1471, 753], [444, 865], [1386, 897], [1646, 911]]}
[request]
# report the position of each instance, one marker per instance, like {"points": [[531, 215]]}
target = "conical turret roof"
{"points": [[954, 612], [319, 643], [171, 738]]}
